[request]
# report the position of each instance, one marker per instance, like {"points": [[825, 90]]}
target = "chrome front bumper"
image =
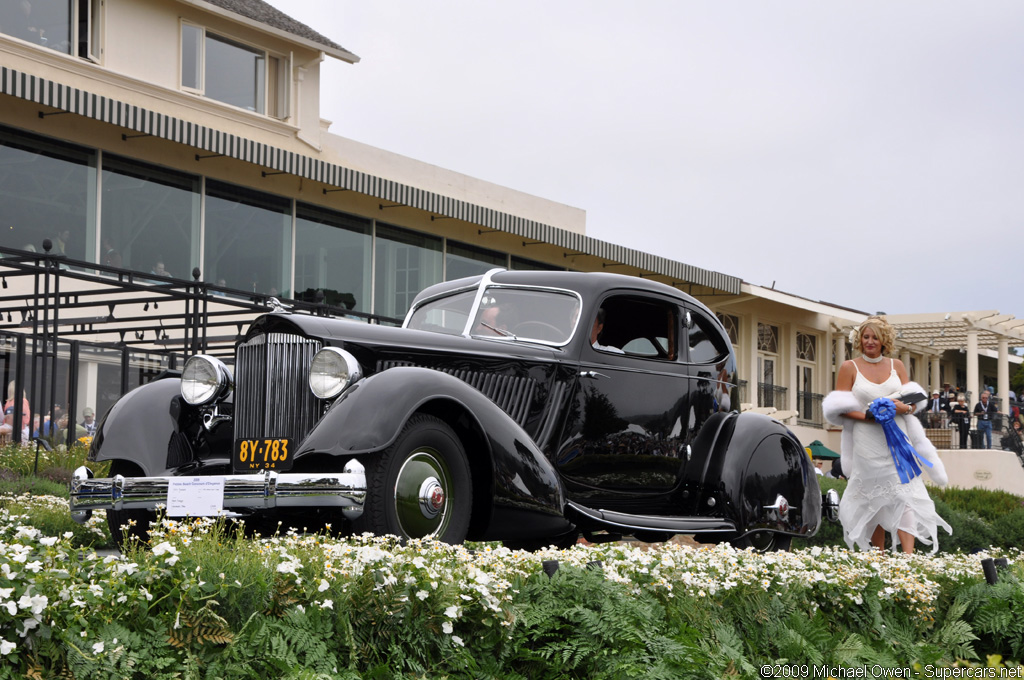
{"points": [[260, 491]]}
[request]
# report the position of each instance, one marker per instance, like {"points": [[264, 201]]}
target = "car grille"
{"points": [[513, 395], [272, 395]]}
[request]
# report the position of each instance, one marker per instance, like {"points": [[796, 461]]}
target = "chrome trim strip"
{"points": [[261, 491]]}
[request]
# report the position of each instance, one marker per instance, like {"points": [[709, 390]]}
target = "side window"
{"points": [[636, 326], [705, 341]]}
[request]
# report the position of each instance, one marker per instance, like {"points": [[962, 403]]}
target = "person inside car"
{"points": [[596, 332]]}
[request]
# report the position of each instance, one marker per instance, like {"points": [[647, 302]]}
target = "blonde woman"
{"points": [[876, 501]]}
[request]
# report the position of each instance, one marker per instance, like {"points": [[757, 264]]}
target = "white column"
{"points": [[936, 374], [792, 383], [750, 352], [1003, 376], [88, 386], [824, 369], [973, 386], [840, 352], [905, 358]]}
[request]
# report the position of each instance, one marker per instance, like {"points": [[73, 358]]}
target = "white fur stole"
{"points": [[838, 402]]}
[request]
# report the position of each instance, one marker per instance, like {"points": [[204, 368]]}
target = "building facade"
{"points": [[183, 138]]}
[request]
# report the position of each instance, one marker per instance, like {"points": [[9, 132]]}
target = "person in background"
{"points": [[935, 408], [26, 410], [89, 420], [962, 418], [158, 269], [985, 410], [111, 257]]}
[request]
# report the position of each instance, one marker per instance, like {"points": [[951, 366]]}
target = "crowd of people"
{"points": [[46, 426], [949, 407]]}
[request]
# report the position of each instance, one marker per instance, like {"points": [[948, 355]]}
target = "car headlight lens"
{"points": [[204, 380], [332, 371]]}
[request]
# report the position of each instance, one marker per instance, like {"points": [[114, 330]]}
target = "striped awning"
{"points": [[144, 121]]}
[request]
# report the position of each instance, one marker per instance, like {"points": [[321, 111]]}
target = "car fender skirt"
{"points": [[261, 491], [762, 462]]}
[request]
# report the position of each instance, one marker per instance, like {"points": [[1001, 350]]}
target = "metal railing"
{"points": [[771, 395], [809, 409], [57, 314]]}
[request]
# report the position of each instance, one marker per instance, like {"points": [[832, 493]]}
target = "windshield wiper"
{"points": [[499, 331]]}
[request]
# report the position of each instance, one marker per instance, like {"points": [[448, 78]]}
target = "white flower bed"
{"points": [[44, 581]]}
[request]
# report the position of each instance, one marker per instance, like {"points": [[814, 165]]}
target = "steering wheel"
{"points": [[553, 333]]}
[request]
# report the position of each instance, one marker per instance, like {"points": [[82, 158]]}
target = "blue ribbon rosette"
{"points": [[904, 457]]}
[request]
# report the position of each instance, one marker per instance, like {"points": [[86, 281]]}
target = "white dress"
{"points": [[874, 495]]}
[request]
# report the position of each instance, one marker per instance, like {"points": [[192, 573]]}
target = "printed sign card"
{"points": [[195, 497]]}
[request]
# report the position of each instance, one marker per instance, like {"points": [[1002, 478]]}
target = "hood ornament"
{"points": [[277, 306]]}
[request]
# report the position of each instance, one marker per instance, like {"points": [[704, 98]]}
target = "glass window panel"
{"points": [[235, 74], [333, 253], [522, 264], [248, 239], [190, 56], [149, 215], [406, 263], [47, 190], [732, 326], [705, 343], [462, 261], [43, 22], [806, 347], [767, 338]]}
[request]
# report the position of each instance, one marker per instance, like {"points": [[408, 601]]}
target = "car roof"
{"points": [[588, 284]]}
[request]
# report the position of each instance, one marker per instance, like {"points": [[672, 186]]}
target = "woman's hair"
{"points": [[884, 331]]}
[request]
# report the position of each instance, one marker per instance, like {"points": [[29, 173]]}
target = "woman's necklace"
{"points": [[871, 360]]}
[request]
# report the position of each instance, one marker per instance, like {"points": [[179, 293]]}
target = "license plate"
{"points": [[262, 454]]}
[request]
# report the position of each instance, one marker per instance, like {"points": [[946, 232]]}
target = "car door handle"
{"points": [[592, 374]]}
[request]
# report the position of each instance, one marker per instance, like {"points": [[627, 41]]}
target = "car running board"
{"points": [[679, 525]]}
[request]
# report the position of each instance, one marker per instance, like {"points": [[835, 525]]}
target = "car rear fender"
{"points": [[756, 460]]}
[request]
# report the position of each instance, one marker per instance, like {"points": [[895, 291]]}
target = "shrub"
{"points": [[17, 485], [1009, 529], [971, 533], [58, 475], [988, 504]]}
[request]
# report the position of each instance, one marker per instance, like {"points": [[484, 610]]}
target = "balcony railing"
{"points": [[809, 409], [771, 395]]}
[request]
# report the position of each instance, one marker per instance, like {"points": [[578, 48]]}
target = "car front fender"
{"points": [[521, 485], [153, 428]]}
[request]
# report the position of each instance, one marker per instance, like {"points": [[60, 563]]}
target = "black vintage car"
{"points": [[527, 407]]}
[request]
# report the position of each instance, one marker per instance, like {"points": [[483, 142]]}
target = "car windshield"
{"points": [[448, 314], [528, 314]]}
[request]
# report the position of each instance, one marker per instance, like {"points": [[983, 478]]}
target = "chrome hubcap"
{"points": [[422, 494], [431, 498]]}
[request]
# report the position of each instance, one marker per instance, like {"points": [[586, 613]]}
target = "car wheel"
{"points": [[135, 521], [763, 541], [420, 485]]}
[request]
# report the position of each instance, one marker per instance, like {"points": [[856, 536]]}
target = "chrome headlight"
{"points": [[205, 379], [332, 371]]}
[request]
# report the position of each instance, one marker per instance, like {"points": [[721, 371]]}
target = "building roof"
{"points": [[262, 13], [219, 143], [949, 331]]}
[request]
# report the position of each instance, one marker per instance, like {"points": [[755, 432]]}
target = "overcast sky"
{"points": [[847, 152]]}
